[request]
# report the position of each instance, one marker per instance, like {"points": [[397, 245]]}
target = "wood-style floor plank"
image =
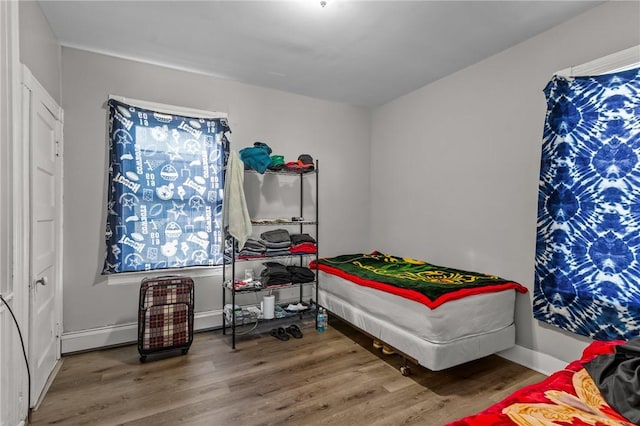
{"points": [[330, 378]]}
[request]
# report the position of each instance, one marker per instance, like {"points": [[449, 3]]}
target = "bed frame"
{"points": [[432, 355]]}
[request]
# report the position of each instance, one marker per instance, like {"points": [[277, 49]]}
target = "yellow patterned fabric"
{"points": [[588, 407], [568, 397]]}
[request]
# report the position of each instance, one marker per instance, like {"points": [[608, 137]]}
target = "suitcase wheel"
{"points": [[185, 351], [143, 358]]}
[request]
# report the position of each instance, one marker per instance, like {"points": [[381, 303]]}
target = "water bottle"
{"points": [[321, 320], [325, 323]]}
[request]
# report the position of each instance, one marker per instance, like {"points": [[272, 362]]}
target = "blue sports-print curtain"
{"points": [[587, 270], [165, 189]]}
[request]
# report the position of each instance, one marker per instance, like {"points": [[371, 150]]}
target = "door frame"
{"points": [[13, 377], [30, 86]]}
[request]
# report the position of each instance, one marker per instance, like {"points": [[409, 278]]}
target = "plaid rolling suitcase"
{"points": [[165, 315]]}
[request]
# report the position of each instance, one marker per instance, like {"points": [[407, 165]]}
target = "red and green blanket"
{"points": [[413, 279], [568, 397]]}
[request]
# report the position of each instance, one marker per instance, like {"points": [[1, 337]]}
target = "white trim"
{"points": [[134, 278], [170, 109], [13, 377], [6, 382], [619, 61], [537, 361], [60, 218], [32, 84], [95, 338], [33, 93], [5, 192], [20, 266], [123, 334], [50, 379]]}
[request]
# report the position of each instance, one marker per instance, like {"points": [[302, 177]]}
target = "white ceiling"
{"points": [[359, 52]]}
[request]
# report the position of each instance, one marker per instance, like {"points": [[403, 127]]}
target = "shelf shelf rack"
{"points": [[301, 226]]}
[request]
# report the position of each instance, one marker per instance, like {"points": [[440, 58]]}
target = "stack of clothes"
{"points": [[303, 165], [303, 244], [301, 274], [256, 157], [252, 248], [277, 274], [277, 242]]}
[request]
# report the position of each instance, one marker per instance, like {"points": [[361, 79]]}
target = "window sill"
{"points": [[134, 278]]}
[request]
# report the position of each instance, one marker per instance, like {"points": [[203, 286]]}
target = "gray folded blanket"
{"points": [[617, 376]]}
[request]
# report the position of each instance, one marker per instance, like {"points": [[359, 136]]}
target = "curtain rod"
{"points": [[619, 61]]}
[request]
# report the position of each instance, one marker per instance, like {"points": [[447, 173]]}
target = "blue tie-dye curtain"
{"points": [[587, 270], [165, 189]]}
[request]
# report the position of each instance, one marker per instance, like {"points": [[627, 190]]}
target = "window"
{"points": [[165, 188]]}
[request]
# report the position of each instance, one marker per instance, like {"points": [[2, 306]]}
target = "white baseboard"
{"points": [[537, 361], [101, 337]]}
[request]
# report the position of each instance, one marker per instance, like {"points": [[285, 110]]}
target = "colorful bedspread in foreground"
{"points": [[567, 397], [413, 279]]}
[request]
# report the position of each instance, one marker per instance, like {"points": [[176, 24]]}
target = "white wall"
{"points": [[456, 161], [336, 134], [454, 167], [39, 48]]}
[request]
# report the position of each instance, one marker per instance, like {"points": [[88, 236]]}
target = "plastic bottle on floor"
{"points": [[325, 323], [321, 320]]}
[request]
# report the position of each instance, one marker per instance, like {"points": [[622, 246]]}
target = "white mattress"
{"points": [[451, 321]]}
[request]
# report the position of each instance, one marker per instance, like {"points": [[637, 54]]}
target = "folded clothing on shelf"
{"points": [[276, 236], [274, 273], [256, 157], [254, 244], [301, 274], [303, 165], [277, 252], [252, 248], [277, 162], [301, 238], [280, 245], [303, 248]]}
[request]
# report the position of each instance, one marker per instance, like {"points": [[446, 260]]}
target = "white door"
{"points": [[44, 335]]}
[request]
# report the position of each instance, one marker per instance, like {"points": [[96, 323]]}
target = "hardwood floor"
{"points": [[330, 378]]}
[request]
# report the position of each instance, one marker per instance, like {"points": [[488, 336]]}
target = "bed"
{"points": [[462, 316], [571, 396]]}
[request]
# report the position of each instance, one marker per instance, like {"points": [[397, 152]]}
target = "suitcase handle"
{"points": [[165, 276]]}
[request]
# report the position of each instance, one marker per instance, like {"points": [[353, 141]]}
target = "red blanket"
{"points": [[567, 397]]}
